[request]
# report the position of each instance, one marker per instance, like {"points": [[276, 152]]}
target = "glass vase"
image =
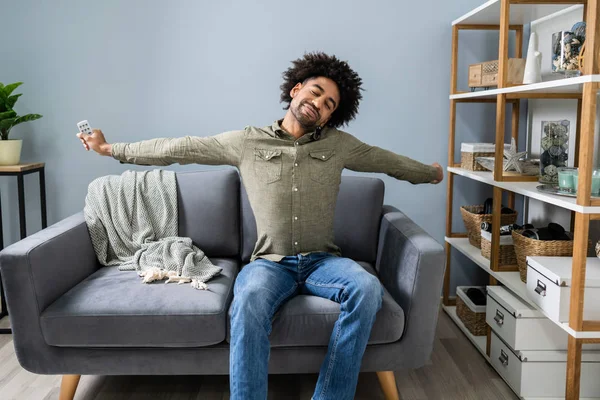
{"points": [[554, 149], [566, 47]]}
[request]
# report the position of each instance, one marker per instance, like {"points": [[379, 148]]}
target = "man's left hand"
{"points": [[440, 173]]}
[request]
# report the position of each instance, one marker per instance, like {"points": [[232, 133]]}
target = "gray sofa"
{"points": [[71, 316]]}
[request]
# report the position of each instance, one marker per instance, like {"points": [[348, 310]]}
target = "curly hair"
{"points": [[317, 64]]}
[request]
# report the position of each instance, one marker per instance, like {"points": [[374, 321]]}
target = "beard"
{"points": [[305, 120]]}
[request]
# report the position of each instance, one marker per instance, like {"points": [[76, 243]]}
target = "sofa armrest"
{"points": [[40, 268], [411, 266]]}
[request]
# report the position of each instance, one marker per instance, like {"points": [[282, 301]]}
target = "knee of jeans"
{"points": [[371, 291], [244, 299]]}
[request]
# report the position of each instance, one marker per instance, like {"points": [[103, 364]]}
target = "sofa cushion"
{"points": [[209, 204], [356, 221], [307, 320], [113, 308], [358, 216]]}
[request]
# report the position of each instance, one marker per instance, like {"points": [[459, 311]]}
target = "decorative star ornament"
{"points": [[512, 158]]}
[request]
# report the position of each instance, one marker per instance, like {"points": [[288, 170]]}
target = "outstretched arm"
{"points": [[224, 148], [359, 156]]}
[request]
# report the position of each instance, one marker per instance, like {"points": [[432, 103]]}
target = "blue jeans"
{"points": [[263, 286]]}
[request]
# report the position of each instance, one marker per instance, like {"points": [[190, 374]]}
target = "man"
{"points": [[291, 171]]}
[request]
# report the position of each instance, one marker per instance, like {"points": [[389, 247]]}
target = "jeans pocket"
{"points": [[267, 165], [322, 166]]}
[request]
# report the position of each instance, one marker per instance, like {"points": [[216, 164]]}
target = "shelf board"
{"points": [[520, 14], [565, 86], [574, 333], [478, 341], [511, 279], [526, 189]]}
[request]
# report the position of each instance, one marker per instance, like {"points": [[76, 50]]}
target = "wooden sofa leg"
{"points": [[387, 380], [68, 386]]}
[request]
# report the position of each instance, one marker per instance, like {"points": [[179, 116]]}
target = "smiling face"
{"points": [[314, 101]]}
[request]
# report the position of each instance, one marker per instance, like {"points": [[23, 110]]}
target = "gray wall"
{"points": [[145, 69]]}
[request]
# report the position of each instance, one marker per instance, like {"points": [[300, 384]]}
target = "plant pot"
{"points": [[10, 151]]}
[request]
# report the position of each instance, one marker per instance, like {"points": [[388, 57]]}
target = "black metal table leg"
{"points": [[43, 197], [3, 311], [22, 222]]}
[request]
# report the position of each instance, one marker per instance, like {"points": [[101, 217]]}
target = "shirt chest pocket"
{"points": [[267, 165], [322, 166]]}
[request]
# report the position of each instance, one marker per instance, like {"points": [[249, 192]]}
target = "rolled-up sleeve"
{"points": [[223, 149], [361, 157]]}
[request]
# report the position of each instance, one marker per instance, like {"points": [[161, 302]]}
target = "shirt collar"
{"points": [[277, 131]]}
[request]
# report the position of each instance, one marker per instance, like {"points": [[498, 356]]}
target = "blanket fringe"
{"points": [[157, 274]]}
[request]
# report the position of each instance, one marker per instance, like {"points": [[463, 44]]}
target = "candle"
{"points": [[595, 181], [567, 179]]}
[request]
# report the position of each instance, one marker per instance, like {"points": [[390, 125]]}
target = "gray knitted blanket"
{"points": [[133, 223]]}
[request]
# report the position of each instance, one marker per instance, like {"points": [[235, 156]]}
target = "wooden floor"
{"points": [[457, 371]]}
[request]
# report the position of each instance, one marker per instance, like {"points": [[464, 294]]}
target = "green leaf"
{"points": [[8, 89], [7, 123], [7, 114], [25, 118], [11, 100]]}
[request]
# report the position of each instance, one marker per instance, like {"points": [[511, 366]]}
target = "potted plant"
{"points": [[10, 149]]}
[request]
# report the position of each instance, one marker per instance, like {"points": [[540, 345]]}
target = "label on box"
{"points": [[480, 147], [505, 240]]}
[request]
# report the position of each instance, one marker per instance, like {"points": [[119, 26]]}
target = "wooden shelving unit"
{"points": [[512, 15]]}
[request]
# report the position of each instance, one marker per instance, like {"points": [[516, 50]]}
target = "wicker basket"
{"points": [[469, 160], [525, 246], [470, 151], [473, 222], [471, 315], [507, 249]]}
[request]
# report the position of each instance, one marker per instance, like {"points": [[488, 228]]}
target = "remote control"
{"points": [[84, 127]]}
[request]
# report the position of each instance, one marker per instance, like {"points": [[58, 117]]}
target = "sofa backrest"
{"points": [[209, 213], [356, 222]]}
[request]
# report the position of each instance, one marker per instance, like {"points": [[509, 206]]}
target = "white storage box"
{"points": [[549, 286], [520, 325], [480, 147], [470, 151], [543, 373]]}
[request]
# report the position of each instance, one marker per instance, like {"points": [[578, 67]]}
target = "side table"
{"points": [[19, 171]]}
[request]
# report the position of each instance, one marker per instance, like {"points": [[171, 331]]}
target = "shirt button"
{"points": [[295, 243], [295, 189], [295, 164], [295, 143], [323, 156], [296, 218]]}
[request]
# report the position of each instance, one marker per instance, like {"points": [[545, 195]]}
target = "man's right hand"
{"points": [[440, 174], [96, 142]]}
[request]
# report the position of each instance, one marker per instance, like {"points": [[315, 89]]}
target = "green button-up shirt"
{"points": [[292, 184]]}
